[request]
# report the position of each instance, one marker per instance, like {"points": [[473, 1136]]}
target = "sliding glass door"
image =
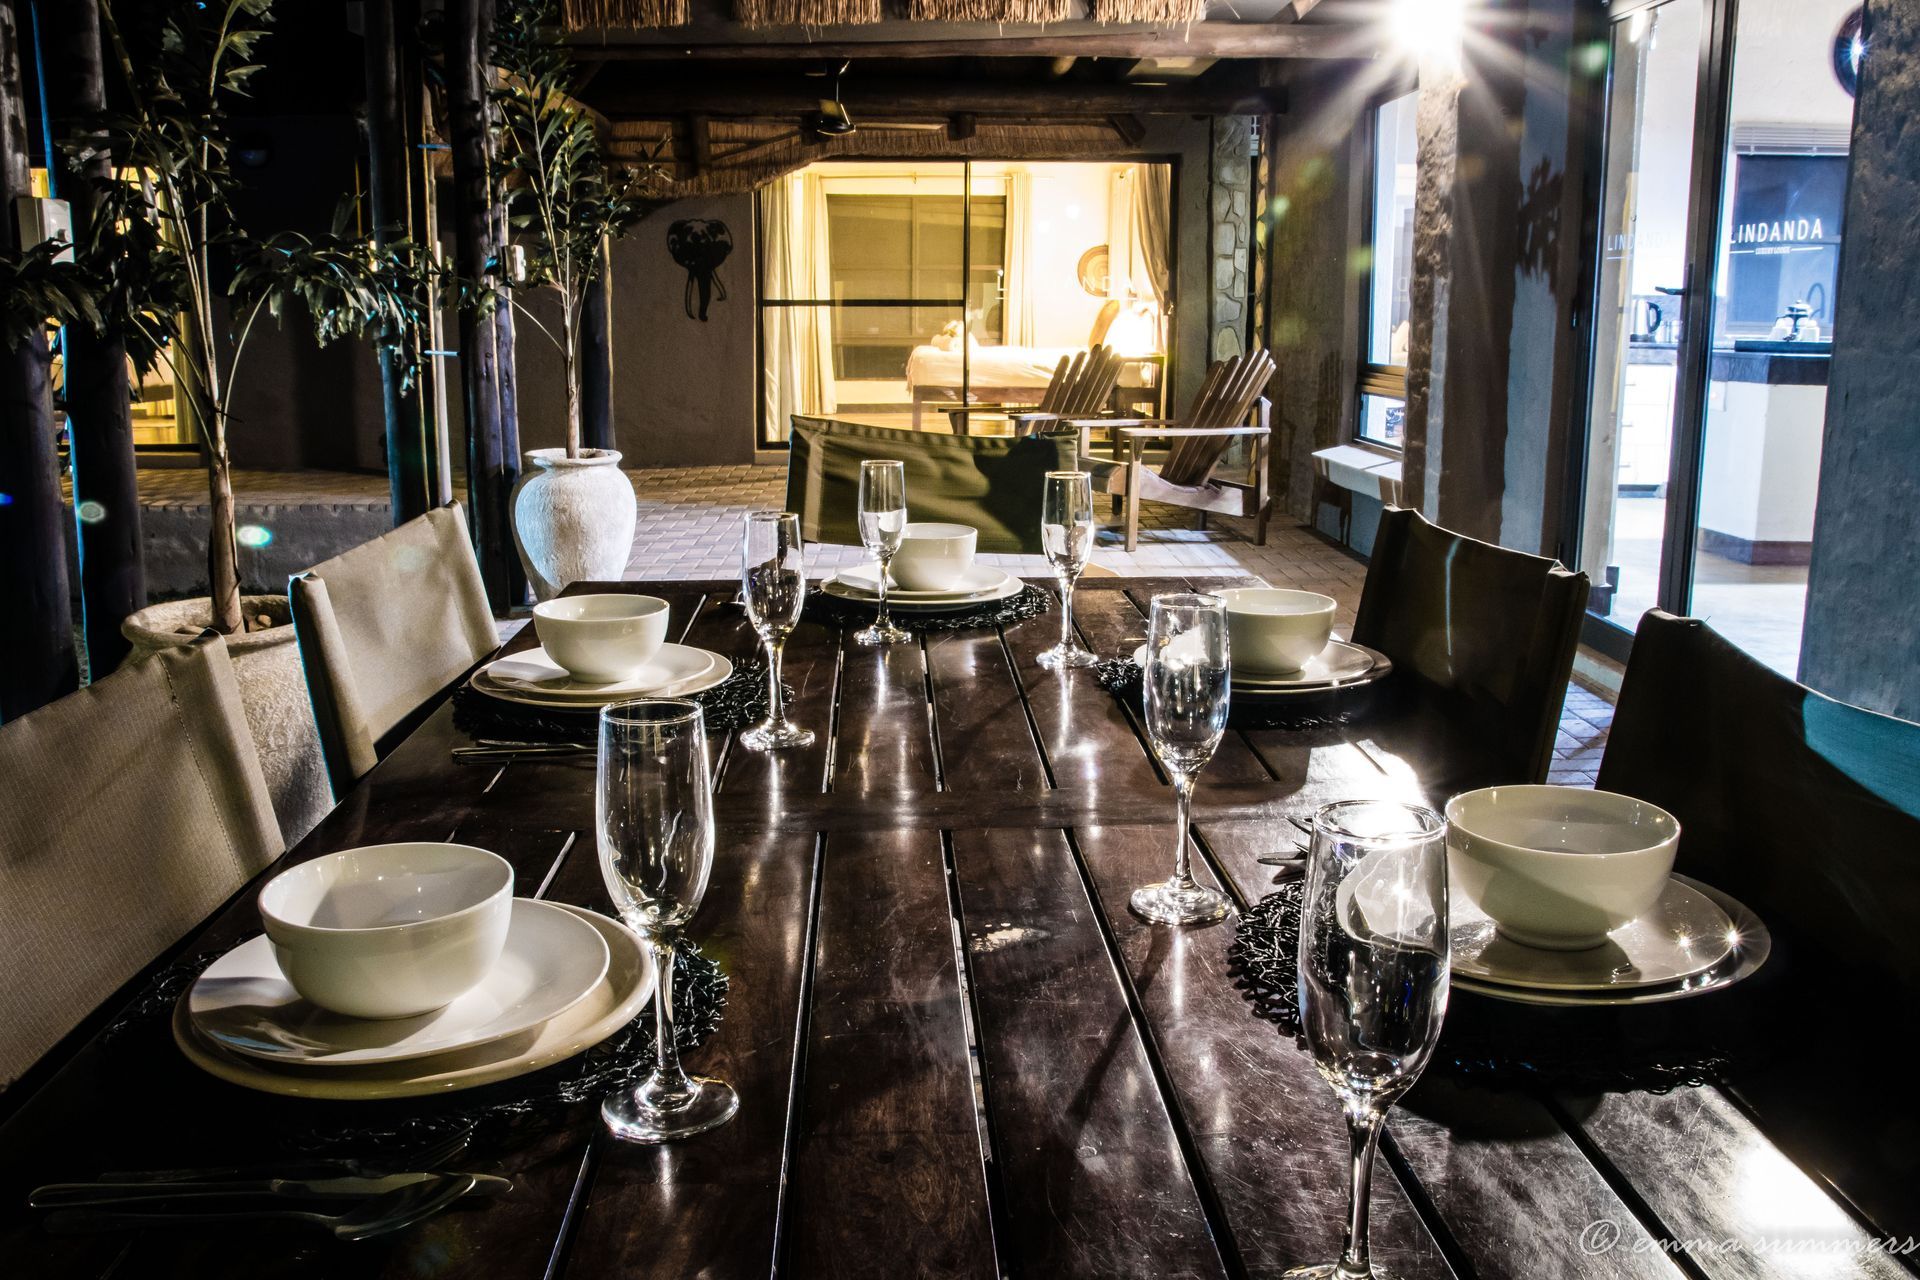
{"points": [[1722, 208]]}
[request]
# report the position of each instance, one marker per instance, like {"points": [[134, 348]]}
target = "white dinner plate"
{"points": [[551, 960], [722, 668], [1338, 665], [1685, 933], [1011, 587], [620, 996], [865, 579], [535, 672]]}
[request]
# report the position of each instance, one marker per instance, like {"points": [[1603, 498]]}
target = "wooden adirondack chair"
{"points": [[1082, 387], [1230, 405]]}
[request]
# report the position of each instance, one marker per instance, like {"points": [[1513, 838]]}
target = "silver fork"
{"points": [[378, 1216]]}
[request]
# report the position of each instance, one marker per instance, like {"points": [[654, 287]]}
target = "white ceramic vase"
{"points": [[572, 518], [273, 691]]}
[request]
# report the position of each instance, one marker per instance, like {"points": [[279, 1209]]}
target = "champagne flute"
{"points": [[1066, 532], [1185, 683], [654, 820], [773, 583], [1374, 970], [883, 522]]}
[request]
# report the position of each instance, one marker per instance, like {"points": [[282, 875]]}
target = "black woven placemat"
{"points": [[1121, 678], [1645, 1048], [492, 1113], [838, 611], [734, 703]]}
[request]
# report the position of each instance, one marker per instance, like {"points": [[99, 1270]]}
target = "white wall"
{"points": [[1671, 38], [1070, 215]]}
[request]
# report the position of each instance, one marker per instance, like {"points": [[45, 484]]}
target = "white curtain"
{"points": [[798, 377], [1017, 310], [1139, 222], [1152, 226]]}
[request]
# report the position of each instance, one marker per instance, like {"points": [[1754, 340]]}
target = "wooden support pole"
{"points": [[596, 358], [37, 662], [411, 439], [106, 494], [486, 338]]}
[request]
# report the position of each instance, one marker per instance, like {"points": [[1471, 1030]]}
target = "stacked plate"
{"points": [[1337, 666], [1694, 940], [566, 979], [533, 678], [979, 584]]}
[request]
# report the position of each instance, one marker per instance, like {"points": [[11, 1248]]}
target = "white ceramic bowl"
{"points": [[602, 638], [934, 557], [1559, 867], [390, 930], [1275, 631]]}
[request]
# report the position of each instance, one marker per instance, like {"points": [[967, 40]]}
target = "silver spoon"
{"points": [[378, 1216]]}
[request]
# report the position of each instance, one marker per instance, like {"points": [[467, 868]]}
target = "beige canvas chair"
{"points": [[1082, 387], [385, 627], [129, 811], [1230, 406]]}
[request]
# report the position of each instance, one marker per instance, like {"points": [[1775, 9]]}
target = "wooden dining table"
{"points": [[957, 1052]]}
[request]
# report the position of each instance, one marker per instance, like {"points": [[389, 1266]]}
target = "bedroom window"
{"points": [[894, 292], [1389, 274]]}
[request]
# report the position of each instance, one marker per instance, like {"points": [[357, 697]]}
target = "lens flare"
{"points": [[253, 535], [90, 512]]}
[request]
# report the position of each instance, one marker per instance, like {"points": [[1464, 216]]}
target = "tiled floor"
{"points": [[689, 527]]}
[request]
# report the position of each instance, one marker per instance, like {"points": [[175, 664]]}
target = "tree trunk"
{"points": [[106, 496], [570, 366], [411, 441], [36, 616], [223, 548], [596, 357], [486, 362]]}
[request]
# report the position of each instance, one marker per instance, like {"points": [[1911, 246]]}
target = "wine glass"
{"points": [[1185, 681], [1066, 532], [653, 815], [883, 522], [773, 583], [1373, 975]]}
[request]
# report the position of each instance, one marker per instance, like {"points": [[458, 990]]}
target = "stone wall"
{"points": [[1230, 232]]}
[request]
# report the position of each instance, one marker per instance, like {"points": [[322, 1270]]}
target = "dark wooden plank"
{"points": [[889, 1148], [1710, 1176], [1096, 1180], [708, 1206]]}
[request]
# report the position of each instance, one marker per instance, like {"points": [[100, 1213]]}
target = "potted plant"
{"points": [[163, 240], [573, 510]]}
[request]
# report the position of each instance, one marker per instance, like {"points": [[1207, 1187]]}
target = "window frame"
{"points": [[1382, 381]]}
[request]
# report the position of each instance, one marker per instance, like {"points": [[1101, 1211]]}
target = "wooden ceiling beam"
{"points": [[1199, 40], [638, 97]]}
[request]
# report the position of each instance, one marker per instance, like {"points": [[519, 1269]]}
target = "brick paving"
{"points": [[689, 527]]}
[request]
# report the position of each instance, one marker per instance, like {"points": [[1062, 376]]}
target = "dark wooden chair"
{"points": [[1807, 810], [1082, 387], [1487, 632]]}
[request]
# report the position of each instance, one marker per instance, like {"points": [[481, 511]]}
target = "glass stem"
{"points": [[1363, 1139], [880, 623], [1183, 816], [669, 1081], [776, 701], [1066, 613]]}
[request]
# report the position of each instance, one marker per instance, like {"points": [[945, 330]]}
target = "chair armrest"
{"points": [[1151, 433]]}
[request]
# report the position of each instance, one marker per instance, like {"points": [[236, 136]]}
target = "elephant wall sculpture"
{"points": [[700, 245]]}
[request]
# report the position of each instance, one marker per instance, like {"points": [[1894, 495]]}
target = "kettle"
{"points": [[1796, 324]]}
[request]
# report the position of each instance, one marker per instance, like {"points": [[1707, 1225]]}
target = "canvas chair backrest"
{"points": [[1226, 398], [129, 811], [993, 483], [383, 628]]}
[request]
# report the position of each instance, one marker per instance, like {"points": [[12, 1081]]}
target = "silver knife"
{"points": [[64, 1195]]}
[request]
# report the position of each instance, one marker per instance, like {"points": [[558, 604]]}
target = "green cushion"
{"points": [[993, 483]]}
